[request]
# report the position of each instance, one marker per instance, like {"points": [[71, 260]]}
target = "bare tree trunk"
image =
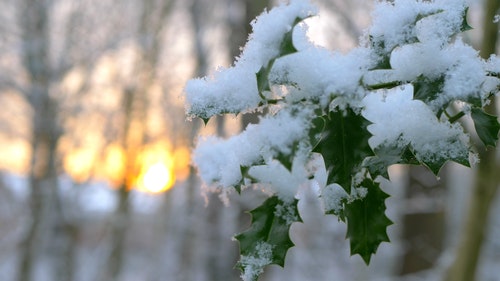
{"points": [[121, 217], [135, 109], [423, 229], [485, 188], [46, 218], [187, 233], [120, 223]]}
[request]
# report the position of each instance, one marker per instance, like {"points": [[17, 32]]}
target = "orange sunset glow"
{"points": [[154, 169]]}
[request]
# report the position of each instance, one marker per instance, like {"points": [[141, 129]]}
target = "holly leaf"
{"points": [[387, 155], [286, 159], [316, 130], [344, 146], [426, 89], [286, 46], [262, 79], [457, 152], [378, 45], [245, 176], [486, 125], [366, 221], [267, 240], [465, 25]]}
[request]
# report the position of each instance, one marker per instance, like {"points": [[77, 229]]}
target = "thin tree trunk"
{"points": [[485, 188], [422, 228], [121, 217], [187, 232], [135, 107], [120, 223], [45, 218]]}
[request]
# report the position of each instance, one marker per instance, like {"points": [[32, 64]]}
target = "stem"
{"points": [[386, 85], [453, 119]]}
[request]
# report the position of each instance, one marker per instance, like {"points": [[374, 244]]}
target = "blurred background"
{"points": [[95, 181]]}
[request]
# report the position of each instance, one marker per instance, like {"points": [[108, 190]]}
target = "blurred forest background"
{"points": [[95, 182]]}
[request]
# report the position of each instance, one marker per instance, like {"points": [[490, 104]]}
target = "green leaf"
{"points": [[366, 221], [344, 146], [457, 152], [244, 175], [286, 159], [286, 46], [262, 78], [267, 240], [465, 25], [422, 16], [486, 125], [384, 58], [426, 89], [387, 155], [435, 165], [318, 126]]}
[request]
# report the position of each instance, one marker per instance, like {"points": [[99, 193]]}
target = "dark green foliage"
{"points": [[366, 221], [340, 135], [388, 155], [344, 146], [426, 89], [486, 125], [270, 224]]}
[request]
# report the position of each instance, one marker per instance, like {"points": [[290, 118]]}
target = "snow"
{"points": [[315, 79], [233, 90], [229, 90], [276, 178], [253, 265], [319, 74], [399, 119], [419, 40], [287, 213], [460, 65], [333, 196], [219, 160], [406, 21], [268, 30]]}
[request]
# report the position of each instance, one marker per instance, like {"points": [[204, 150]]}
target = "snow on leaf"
{"points": [[486, 125], [367, 222], [270, 227], [287, 47], [465, 24], [334, 197], [318, 125], [426, 89], [344, 146], [262, 79], [387, 155], [398, 120]]}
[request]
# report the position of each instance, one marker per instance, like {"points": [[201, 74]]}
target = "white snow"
{"points": [[232, 90], [253, 265], [404, 21], [333, 197], [287, 213], [316, 78], [421, 42], [399, 119], [219, 160]]}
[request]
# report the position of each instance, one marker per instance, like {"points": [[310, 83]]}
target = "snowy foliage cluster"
{"points": [[337, 121]]}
